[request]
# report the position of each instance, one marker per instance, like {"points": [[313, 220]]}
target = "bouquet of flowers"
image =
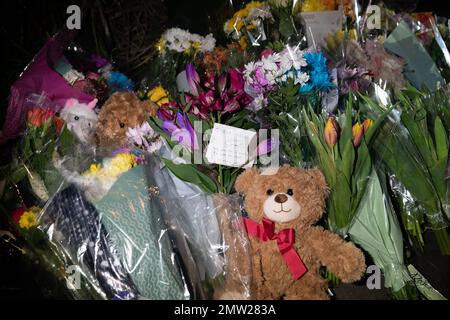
{"points": [[342, 150], [212, 99], [280, 83], [414, 146], [173, 51]]}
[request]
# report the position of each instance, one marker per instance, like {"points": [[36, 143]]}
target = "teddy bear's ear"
{"points": [[319, 178], [245, 180], [150, 107]]}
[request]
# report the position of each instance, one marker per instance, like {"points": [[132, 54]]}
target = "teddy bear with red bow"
{"points": [[287, 249]]}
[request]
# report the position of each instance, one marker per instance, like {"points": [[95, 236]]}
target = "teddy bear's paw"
{"points": [[353, 267]]}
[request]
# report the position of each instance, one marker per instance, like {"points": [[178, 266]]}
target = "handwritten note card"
{"points": [[229, 146]]}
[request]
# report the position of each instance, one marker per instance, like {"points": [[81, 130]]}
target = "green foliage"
{"points": [[414, 146]]}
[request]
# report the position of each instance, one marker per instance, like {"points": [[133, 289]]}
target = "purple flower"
{"points": [[166, 111], [193, 79], [236, 80], [351, 79], [182, 132], [266, 146]]}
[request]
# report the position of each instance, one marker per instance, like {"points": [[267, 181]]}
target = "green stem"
{"points": [[443, 241], [221, 184]]}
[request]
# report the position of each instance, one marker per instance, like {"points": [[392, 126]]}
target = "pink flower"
{"points": [[266, 53]]}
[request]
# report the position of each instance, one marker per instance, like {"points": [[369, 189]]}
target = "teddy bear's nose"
{"points": [[281, 198]]}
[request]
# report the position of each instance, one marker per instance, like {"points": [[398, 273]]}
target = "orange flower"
{"points": [[47, 116], [331, 131], [358, 132], [39, 116], [367, 124], [34, 116], [59, 124]]}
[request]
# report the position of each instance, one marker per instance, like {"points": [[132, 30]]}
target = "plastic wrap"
{"points": [[377, 230], [126, 231], [110, 232], [206, 229], [39, 78], [413, 144]]}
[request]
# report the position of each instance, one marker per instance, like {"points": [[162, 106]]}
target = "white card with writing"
{"points": [[229, 146], [320, 25]]}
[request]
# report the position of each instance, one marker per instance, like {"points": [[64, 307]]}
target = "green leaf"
{"points": [[440, 137], [348, 159], [189, 173]]}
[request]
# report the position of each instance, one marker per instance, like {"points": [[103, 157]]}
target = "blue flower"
{"points": [[318, 72], [120, 82]]}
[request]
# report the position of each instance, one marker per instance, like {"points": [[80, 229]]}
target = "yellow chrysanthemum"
{"points": [[93, 169], [241, 13], [118, 165], [234, 24], [243, 43], [113, 168], [159, 95], [29, 218]]}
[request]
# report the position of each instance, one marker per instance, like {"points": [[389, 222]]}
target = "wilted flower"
{"points": [[331, 131]]}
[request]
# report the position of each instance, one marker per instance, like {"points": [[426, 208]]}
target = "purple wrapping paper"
{"points": [[40, 78]]}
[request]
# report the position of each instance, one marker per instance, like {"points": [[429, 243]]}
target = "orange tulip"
{"points": [[358, 132], [59, 124], [331, 131], [39, 116], [34, 116], [367, 124]]}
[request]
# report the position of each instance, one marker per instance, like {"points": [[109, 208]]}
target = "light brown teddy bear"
{"points": [[287, 250], [123, 110]]}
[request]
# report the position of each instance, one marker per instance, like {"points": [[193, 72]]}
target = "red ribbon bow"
{"points": [[285, 241]]}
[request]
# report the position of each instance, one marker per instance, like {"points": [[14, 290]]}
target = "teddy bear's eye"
{"points": [[290, 192], [122, 125], [269, 192], [77, 118]]}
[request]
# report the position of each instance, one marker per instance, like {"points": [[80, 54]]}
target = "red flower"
{"points": [[34, 117], [59, 124], [37, 116], [266, 52], [17, 214]]}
